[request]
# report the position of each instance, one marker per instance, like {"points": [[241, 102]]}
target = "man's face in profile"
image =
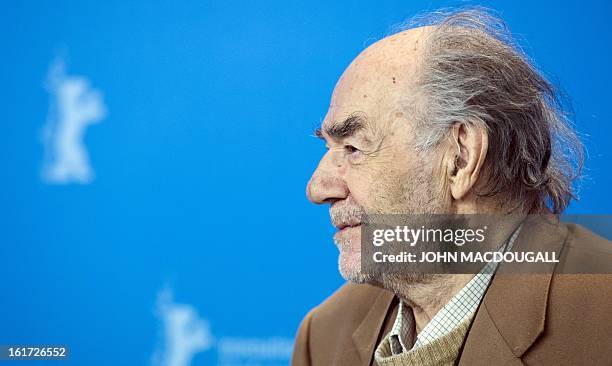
{"points": [[372, 165]]}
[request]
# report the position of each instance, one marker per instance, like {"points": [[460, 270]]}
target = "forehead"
{"points": [[378, 79]]}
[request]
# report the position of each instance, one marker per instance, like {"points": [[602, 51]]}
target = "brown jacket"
{"points": [[524, 319]]}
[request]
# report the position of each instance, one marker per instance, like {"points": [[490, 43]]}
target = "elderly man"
{"points": [[450, 117]]}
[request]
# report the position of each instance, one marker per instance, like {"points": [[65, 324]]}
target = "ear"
{"points": [[470, 142]]}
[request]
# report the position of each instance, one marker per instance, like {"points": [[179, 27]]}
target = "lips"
{"points": [[344, 225], [342, 221]]}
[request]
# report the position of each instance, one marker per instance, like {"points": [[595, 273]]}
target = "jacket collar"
{"points": [[366, 334]]}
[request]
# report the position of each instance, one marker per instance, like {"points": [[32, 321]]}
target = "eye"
{"points": [[350, 149], [353, 153]]}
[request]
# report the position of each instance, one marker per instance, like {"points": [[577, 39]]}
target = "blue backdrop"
{"points": [[195, 200]]}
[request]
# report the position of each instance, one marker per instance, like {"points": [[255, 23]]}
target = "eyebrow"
{"points": [[339, 130]]}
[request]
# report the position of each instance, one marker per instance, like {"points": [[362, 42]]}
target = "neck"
{"points": [[429, 296]]}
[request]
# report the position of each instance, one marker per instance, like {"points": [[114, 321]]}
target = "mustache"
{"points": [[346, 213]]}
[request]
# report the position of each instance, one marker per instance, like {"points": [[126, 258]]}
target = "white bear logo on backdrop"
{"points": [[74, 105], [184, 334]]}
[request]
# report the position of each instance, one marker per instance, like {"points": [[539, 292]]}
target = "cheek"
{"points": [[362, 184], [390, 189]]}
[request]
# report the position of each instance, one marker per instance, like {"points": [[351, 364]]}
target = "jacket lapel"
{"points": [[366, 334], [513, 312]]}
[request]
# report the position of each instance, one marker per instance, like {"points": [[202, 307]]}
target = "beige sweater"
{"points": [[440, 352]]}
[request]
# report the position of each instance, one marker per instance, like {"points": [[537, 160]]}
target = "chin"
{"points": [[349, 266]]}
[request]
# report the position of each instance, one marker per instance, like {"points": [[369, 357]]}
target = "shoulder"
{"points": [[585, 252], [582, 240]]}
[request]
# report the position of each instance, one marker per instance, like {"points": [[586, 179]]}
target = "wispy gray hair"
{"points": [[473, 72]]}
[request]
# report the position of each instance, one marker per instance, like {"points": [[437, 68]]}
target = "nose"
{"points": [[326, 185]]}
